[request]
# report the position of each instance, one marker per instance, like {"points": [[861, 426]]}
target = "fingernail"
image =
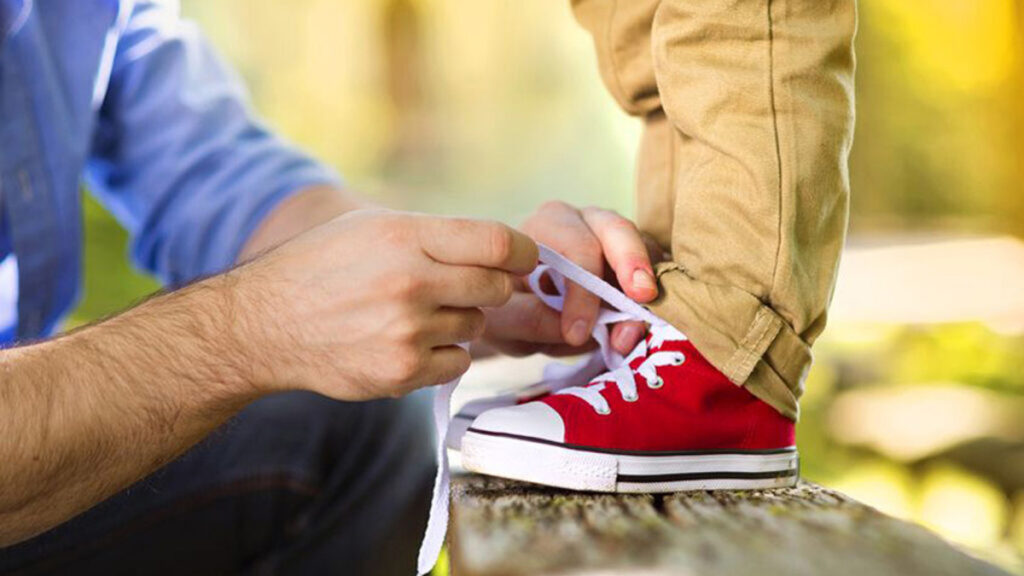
{"points": [[643, 280], [577, 333], [627, 338]]}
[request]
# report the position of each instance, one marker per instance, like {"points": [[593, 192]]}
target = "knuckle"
{"points": [[553, 206], [489, 287], [506, 286], [621, 223], [599, 218], [407, 332], [406, 285], [590, 253], [459, 226], [392, 231], [407, 365], [501, 242], [475, 325], [610, 220]]}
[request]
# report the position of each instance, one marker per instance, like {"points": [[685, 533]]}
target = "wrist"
{"points": [[252, 337], [232, 336], [303, 210]]}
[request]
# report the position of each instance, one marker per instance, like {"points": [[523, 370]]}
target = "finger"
{"points": [[581, 307], [520, 284], [467, 242], [446, 363], [467, 286], [519, 349], [562, 227], [626, 335], [450, 326], [564, 350], [626, 252], [524, 318]]}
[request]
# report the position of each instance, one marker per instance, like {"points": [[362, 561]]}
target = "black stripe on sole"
{"points": [[648, 479], [629, 452]]}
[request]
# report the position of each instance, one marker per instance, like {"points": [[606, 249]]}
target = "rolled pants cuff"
{"points": [[740, 335]]}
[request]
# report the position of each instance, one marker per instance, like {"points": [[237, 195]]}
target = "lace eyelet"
{"points": [[603, 411], [632, 398], [656, 384], [678, 360]]}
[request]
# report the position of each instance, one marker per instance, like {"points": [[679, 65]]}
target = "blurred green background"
{"points": [[916, 400]]}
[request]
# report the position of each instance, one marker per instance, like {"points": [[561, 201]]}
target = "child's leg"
{"points": [[748, 106]]}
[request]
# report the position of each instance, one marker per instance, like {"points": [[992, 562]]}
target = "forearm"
{"points": [[304, 210], [85, 415]]}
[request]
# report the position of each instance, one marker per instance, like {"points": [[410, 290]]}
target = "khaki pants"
{"points": [[748, 112]]}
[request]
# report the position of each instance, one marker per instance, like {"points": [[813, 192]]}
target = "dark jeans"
{"points": [[295, 484]]}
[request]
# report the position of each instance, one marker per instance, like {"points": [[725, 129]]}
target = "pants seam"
{"points": [[741, 364], [670, 184], [778, 145]]}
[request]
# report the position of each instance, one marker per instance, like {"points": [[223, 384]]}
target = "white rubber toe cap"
{"points": [[533, 420], [465, 417]]}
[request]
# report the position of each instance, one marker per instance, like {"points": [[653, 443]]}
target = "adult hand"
{"points": [[602, 242], [374, 303]]}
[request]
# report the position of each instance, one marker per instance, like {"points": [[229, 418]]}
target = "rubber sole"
{"points": [[580, 468]]}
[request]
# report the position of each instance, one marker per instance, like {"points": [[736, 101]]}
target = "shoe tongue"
{"points": [[659, 337]]}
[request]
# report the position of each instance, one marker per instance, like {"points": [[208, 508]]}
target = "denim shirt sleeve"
{"points": [[178, 157]]}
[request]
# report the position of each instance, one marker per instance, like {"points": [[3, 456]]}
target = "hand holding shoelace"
{"points": [[374, 303], [590, 237]]}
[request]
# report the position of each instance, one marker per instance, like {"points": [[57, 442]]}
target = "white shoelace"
{"points": [[623, 378], [558, 269]]}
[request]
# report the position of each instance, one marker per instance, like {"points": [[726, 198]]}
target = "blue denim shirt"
{"points": [[130, 97]]}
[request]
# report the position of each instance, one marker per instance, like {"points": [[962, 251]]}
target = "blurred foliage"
{"points": [[969, 353], [442, 568], [939, 105], [959, 502], [489, 108], [110, 283]]}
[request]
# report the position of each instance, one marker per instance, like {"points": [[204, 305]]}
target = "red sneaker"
{"points": [[666, 420]]}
